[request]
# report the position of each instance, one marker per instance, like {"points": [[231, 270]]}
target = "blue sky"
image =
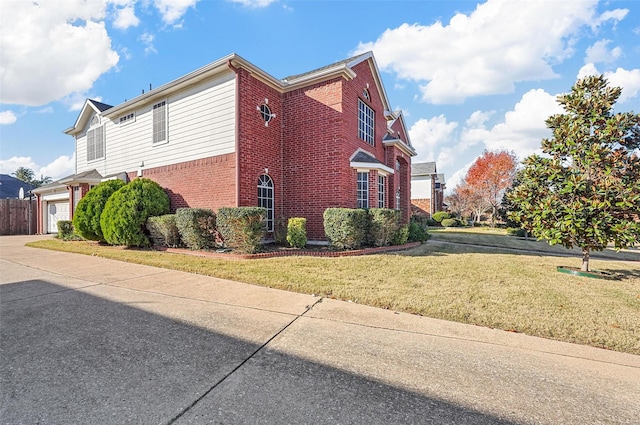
{"points": [[468, 76]]}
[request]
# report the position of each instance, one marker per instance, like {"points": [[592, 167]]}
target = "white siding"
{"points": [[201, 124], [421, 188]]}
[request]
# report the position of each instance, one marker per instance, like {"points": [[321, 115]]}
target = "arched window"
{"points": [[398, 199], [265, 198]]}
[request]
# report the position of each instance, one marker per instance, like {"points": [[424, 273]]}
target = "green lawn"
{"points": [[477, 284]]}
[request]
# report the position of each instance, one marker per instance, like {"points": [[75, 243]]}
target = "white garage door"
{"points": [[57, 211]]}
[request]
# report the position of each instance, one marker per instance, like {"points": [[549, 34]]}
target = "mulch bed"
{"points": [[272, 250]]}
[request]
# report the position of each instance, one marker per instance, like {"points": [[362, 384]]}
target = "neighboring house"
{"points": [[10, 187], [427, 189], [229, 134]]}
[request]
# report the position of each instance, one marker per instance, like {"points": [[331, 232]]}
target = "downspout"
{"points": [[237, 130]]}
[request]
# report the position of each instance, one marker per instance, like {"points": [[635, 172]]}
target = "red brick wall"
{"points": [[314, 155], [202, 183], [259, 146]]}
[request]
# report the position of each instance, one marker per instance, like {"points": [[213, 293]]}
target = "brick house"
{"points": [[427, 189], [229, 134]]}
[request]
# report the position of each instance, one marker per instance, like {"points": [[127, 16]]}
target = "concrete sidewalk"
{"points": [[86, 340]]}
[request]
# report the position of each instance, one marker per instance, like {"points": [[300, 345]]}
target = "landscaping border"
{"points": [[290, 253]]}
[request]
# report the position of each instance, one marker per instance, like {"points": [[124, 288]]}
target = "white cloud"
{"points": [[173, 10], [522, 128], [60, 167], [51, 49], [500, 43], [599, 52], [254, 3], [126, 17], [9, 166], [7, 117], [629, 80], [428, 134], [147, 39]]}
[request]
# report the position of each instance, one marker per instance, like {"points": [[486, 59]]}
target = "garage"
{"points": [[56, 211]]}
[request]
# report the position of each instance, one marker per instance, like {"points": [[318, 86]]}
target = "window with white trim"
{"points": [[398, 199], [366, 122], [265, 198], [363, 190], [381, 185], [126, 119], [160, 122], [95, 143]]}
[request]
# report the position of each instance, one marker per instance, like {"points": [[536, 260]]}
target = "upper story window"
{"points": [[366, 122], [95, 140], [160, 122], [365, 94], [362, 197], [126, 119]]}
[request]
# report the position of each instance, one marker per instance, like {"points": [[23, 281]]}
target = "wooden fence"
{"points": [[18, 217]]}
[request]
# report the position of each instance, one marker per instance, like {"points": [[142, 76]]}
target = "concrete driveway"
{"points": [[86, 340]]}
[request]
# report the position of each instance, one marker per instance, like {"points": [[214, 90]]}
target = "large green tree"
{"points": [[584, 191]]}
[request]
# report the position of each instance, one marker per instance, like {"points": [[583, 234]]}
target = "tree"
{"points": [[585, 191], [490, 175], [27, 175]]}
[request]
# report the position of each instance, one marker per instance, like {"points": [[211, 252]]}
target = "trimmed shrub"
{"points": [[127, 210], [163, 230], [383, 225], [242, 228], [450, 222], [440, 215], [65, 230], [401, 236], [197, 227], [418, 231], [86, 218], [297, 232], [346, 228]]}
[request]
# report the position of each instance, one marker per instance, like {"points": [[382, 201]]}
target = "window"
{"points": [[398, 199], [265, 198], [129, 118], [77, 194], [160, 122], [381, 191], [365, 122], [363, 190], [95, 143]]}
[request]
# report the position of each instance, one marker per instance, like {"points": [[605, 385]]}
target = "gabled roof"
{"points": [[10, 187], [363, 160], [89, 108], [91, 177], [423, 169], [402, 140]]}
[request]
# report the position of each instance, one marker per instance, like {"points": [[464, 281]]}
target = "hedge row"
{"points": [[348, 228]]}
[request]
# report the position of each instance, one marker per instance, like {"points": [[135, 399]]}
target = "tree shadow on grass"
{"points": [[72, 357]]}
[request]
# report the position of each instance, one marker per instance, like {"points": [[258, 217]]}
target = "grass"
{"points": [[476, 284]]}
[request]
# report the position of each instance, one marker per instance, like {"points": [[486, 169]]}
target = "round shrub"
{"points": [[440, 215], [450, 222], [127, 210], [86, 218]]}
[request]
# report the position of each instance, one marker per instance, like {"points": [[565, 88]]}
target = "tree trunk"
{"points": [[585, 260]]}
